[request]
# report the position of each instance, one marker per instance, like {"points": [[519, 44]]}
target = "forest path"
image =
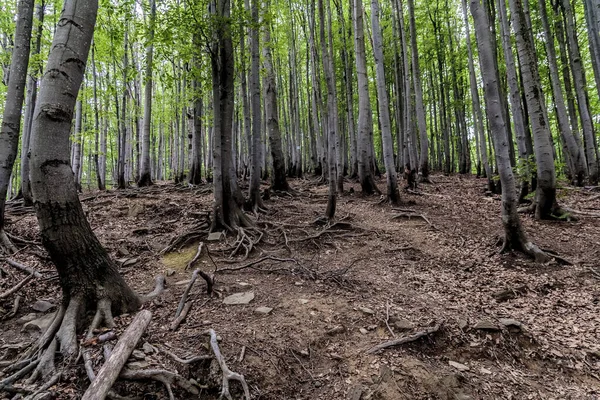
{"points": [[331, 306]]}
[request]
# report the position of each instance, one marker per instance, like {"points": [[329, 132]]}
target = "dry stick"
{"points": [[253, 263], [15, 308], [51, 382], [22, 267], [112, 367], [167, 378], [190, 360], [403, 340], [16, 287], [182, 315], [227, 373]]}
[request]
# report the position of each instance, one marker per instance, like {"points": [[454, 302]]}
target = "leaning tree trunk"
{"points": [[574, 155], [227, 213], [514, 235], [278, 178], [365, 160], [11, 120], [384, 109], [145, 178], [86, 273], [546, 204]]}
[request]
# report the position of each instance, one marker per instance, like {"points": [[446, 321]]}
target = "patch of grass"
{"points": [[178, 260]]}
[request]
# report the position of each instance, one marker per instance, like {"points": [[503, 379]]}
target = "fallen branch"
{"points": [[16, 288], [167, 378], [403, 340], [181, 315], [227, 373], [253, 263], [190, 360], [22, 267], [112, 367]]}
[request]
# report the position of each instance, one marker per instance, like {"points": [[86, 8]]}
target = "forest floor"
{"points": [[507, 328]]}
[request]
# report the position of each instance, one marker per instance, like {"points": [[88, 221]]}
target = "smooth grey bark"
{"points": [[591, 152], [384, 108], [331, 114], [145, 178], [478, 122], [419, 106], [30, 99], [365, 159], [195, 176], [576, 160], [254, 198], [77, 144], [409, 143], [11, 119], [100, 176], [86, 272], [546, 176], [514, 235], [515, 100], [592, 14], [121, 181], [278, 178], [226, 210]]}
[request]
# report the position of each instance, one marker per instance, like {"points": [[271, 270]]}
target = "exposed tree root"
{"points": [[228, 375], [6, 246], [403, 340], [412, 215], [14, 310], [178, 242], [247, 239], [186, 361]]}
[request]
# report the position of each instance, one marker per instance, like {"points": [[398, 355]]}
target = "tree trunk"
{"points": [[365, 160], [99, 175], [278, 178], [254, 198], [546, 189], [121, 182], [574, 155], [420, 107], [514, 235], [11, 119], [227, 213], [85, 270], [384, 109], [145, 178]]}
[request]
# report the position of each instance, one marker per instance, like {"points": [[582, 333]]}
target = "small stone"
{"points": [[40, 324], [485, 371], [244, 284], [302, 301], [367, 310], [371, 327], [239, 298], [512, 324], [486, 326], [138, 355], [147, 348], [463, 324], [363, 331], [403, 325], [137, 365], [318, 384], [170, 272], [298, 283], [215, 236], [263, 310], [458, 366], [42, 306]]}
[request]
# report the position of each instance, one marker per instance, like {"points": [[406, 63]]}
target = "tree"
{"points": [[365, 159], [11, 119], [87, 275], [514, 235], [227, 212], [145, 172], [384, 109]]}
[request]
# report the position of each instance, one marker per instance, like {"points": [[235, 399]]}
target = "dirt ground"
{"points": [[507, 328]]}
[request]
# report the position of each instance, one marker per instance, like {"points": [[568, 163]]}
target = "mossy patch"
{"points": [[178, 260]]}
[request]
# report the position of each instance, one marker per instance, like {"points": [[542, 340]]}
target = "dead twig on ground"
{"points": [[403, 340], [16, 288], [227, 373], [22, 267]]}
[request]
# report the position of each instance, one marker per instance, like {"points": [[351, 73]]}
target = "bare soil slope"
{"points": [[503, 326]]}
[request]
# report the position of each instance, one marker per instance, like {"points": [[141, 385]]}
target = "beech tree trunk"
{"points": [[145, 178], [384, 109], [365, 159], [85, 270], [278, 178], [544, 155], [11, 119]]}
